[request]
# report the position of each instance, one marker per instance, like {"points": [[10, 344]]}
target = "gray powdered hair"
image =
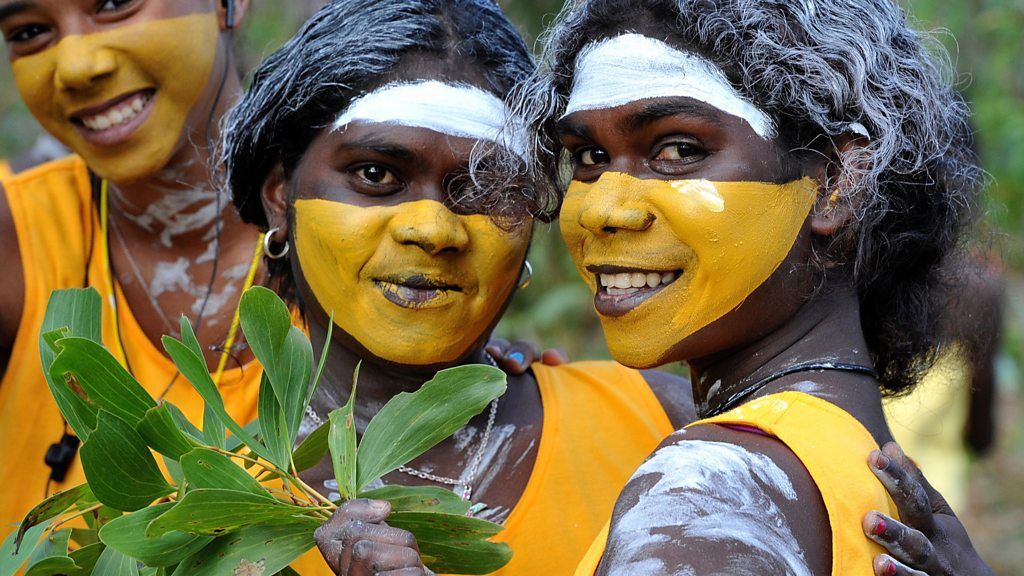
{"points": [[821, 70], [346, 50]]}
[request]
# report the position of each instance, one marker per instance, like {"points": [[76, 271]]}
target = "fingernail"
{"points": [[890, 568], [881, 461], [880, 526], [517, 357], [379, 505]]}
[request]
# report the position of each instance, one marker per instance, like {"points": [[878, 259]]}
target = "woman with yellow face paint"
{"points": [[787, 178], [369, 162], [136, 89]]}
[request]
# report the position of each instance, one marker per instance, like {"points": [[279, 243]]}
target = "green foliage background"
{"points": [[986, 41]]}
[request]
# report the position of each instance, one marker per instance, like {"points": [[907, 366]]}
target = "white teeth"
{"points": [[116, 116], [629, 282]]}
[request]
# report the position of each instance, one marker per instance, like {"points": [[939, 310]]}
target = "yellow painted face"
{"points": [[701, 247], [120, 98], [413, 283]]}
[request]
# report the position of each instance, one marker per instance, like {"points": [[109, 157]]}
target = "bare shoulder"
{"points": [[12, 282], [675, 395], [713, 500]]}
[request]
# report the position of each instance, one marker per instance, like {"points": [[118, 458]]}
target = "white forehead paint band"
{"points": [[455, 109], [631, 67]]}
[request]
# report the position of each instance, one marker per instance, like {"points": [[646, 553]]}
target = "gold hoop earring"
{"points": [[266, 246]]}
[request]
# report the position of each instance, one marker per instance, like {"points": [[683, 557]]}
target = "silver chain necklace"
{"points": [[464, 488]]}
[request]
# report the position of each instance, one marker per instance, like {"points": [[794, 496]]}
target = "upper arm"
{"points": [[719, 502], [675, 395], [12, 281]]}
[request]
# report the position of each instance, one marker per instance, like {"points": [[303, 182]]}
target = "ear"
{"points": [[275, 202], [239, 8], [835, 205]]}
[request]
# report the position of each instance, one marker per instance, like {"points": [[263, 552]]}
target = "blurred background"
{"points": [[986, 41]]}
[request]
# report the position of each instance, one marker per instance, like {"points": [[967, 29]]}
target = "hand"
{"points": [[516, 357], [357, 542], [932, 542]]}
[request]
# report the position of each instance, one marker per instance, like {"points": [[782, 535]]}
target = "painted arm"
{"points": [[12, 283], [714, 501]]}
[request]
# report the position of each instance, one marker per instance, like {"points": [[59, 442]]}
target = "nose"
{"points": [[607, 211], [430, 226], [81, 63]]}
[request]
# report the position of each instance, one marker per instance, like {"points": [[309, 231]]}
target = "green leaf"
{"points": [[114, 563], [11, 560], [51, 556], [183, 423], [74, 312], [233, 443], [270, 548], [127, 535], [119, 467], [283, 350], [215, 512], [87, 556], [312, 450], [193, 368], [342, 442], [108, 385], [51, 507], [454, 543], [419, 499], [320, 365], [412, 423], [273, 428], [205, 468], [160, 431]]}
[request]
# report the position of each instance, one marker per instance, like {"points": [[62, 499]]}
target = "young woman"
{"points": [[353, 147], [136, 90], [368, 152], [800, 170]]}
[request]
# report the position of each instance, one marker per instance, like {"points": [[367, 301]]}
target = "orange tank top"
{"points": [[57, 225], [600, 421], [833, 446]]}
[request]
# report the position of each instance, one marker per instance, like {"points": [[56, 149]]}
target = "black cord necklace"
{"points": [[738, 397]]}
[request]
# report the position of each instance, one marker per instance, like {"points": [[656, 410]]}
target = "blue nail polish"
{"points": [[517, 357]]}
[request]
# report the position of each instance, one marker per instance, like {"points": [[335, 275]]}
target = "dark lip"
{"points": [[93, 110], [420, 282]]}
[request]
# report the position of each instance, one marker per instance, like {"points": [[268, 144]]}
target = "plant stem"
{"points": [[79, 514]]}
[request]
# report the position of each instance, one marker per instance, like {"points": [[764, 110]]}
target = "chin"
{"points": [[638, 354]]}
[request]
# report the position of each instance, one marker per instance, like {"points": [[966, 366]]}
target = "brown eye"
{"points": [[591, 157], [375, 174], [680, 151]]}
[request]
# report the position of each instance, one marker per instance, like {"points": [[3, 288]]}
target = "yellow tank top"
{"points": [[56, 225], [833, 446], [600, 422]]}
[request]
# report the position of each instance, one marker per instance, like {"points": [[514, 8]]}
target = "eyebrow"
{"points": [[658, 110], [566, 127], [9, 9], [380, 147]]}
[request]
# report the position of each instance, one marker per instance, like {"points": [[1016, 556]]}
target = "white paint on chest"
{"points": [[707, 491]]}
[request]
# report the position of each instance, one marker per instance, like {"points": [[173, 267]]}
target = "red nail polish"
{"points": [[890, 568], [880, 526], [881, 461]]}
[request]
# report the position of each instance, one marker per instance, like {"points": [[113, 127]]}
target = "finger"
{"points": [[906, 491], [888, 566], [335, 537], [937, 500], [496, 347], [369, 558], [361, 509], [554, 357], [519, 356], [405, 572], [904, 543]]}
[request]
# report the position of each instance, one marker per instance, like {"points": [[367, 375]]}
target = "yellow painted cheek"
{"points": [[727, 238], [342, 248], [172, 56]]}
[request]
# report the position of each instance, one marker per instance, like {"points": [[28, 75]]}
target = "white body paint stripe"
{"points": [[454, 109], [631, 67]]}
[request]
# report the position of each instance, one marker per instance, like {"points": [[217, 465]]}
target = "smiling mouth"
{"points": [[621, 289], [114, 121], [417, 291]]}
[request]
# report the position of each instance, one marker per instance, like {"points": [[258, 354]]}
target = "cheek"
{"points": [[33, 75], [496, 255], [334, 241]]}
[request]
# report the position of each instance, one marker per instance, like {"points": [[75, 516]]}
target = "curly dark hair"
{"points": [[347, 49], [821, 70]]}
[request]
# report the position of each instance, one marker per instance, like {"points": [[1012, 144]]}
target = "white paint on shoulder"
{"points": [[631, 67], [707, 491]]}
